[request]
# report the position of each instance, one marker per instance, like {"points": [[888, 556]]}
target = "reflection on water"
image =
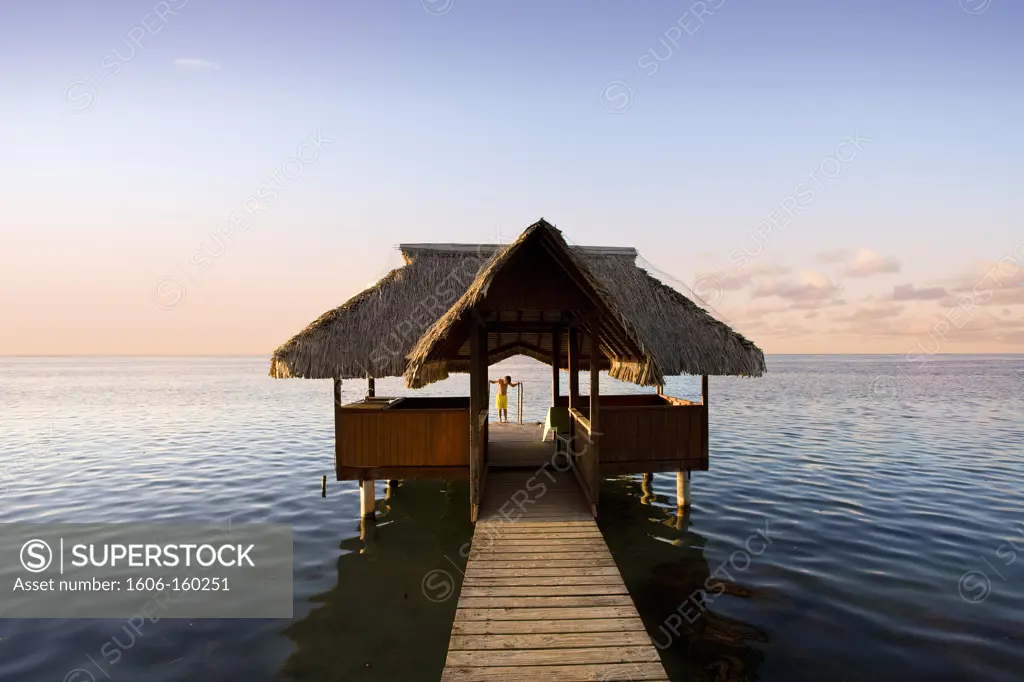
{"points": [[662, 562], [389, 616], [898, 521]]}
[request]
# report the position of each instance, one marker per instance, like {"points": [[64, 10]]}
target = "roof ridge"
{"points": [[469, 248]]}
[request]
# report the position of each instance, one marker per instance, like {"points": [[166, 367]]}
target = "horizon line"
{"points": [[260, 355]]}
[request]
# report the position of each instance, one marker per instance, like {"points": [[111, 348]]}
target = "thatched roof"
{"points": [[648, 330], [412, 321], [370, 334]]}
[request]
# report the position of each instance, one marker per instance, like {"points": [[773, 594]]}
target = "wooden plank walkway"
{"points": [[542, 598], [518, 445]]}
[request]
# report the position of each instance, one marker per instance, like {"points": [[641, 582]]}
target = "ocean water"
{"points": [[862, 520]]}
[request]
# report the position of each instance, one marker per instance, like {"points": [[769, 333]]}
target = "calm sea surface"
{"points": [[892, 494]]}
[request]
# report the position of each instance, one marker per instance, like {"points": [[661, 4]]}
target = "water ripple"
{"points": [[877, 508]]}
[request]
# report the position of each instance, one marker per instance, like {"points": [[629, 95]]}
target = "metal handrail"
{"points": [[519, 402]]}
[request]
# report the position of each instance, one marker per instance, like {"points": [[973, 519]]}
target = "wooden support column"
{"points": [[337, 429], [682, 490], [474, 409], [574, 368], [707, 423], [485, 397], [366, 500], [595, 413], [474, 367], [556, 360], [371, 388], [477, 402]]}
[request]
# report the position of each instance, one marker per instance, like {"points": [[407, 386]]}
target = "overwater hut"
{"points": [[461, 307]]}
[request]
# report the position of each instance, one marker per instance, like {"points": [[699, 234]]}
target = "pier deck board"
{"points": [[542, 598], [518, 445]]}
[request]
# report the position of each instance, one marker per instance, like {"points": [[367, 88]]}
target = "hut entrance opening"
{"points": [[537, 303]]}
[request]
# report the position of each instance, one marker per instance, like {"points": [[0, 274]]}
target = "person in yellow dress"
{"points": [[501, 401]]}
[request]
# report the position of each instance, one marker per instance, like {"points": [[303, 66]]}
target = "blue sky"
{"points": [[134, 129]]}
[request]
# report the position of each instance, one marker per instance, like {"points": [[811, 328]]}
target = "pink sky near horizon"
{"points": [[820, 195], [843, 301]]}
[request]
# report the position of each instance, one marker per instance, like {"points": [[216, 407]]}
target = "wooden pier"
{"points": [[542, 598]]}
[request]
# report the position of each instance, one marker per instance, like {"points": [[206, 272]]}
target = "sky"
{"points": [[200, 177]]}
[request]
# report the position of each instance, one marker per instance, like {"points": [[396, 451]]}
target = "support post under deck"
{"points": [[682, 490], [366, 500]]}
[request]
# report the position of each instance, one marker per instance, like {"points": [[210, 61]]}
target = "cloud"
{"points": [[783, 329], [770, 269], [739, 278], [978, 325], [999, 283], [908, 292], [811, 288], [833, 256], [711, 288], [867, 314], [952, 328], [755, 311], [980, 307], [867, 263], [196, 64], [721, 281]]}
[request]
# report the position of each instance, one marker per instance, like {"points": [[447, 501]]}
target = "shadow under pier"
{"points": [[662, 562], [390, 615]]}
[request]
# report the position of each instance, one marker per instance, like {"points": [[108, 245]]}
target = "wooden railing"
{"points": [[586, 464], [477, 461], [672, 400], [579, 418]]}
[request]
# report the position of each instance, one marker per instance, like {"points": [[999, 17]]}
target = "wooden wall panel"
{"points": [[653, 434], [402, 438]]}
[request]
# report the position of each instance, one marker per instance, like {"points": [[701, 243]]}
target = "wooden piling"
{"points": [[366, 501], [682, 489]]}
